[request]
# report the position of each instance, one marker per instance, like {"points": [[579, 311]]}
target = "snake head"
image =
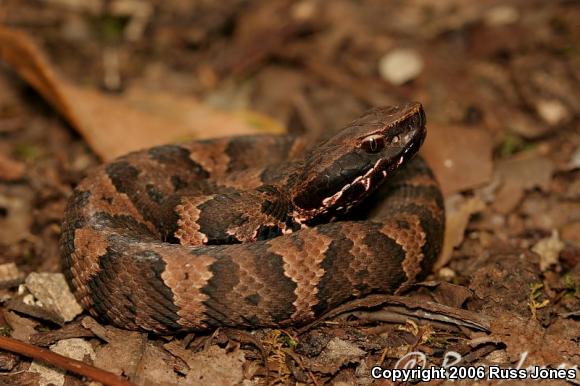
{"points": [[343, 170]]}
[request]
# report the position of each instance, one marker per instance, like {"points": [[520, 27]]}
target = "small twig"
{"points": [[51, 358]]}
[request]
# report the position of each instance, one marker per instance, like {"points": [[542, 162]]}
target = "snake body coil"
{"points": [[236, 232]]}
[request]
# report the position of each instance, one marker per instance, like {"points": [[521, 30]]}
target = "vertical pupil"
{"points": [[373, 144]]}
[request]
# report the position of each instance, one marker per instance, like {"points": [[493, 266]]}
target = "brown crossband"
{"points": [[254, 231]]}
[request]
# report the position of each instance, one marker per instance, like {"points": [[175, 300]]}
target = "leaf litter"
{"points": [[503, 141]]}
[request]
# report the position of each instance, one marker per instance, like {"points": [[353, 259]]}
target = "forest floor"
{"points": [[84, 81]]}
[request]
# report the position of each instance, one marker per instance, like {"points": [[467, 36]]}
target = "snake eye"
{"points": [[373, 143]]}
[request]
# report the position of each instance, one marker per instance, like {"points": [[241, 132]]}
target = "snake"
{"points": [[254, 231]]}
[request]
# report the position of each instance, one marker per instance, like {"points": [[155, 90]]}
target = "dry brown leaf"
{"points": [[123, 352], [70, 330], [97, 329], [518, 174], [215, 363], [460, 157], [115, 125], [22, 328], [458, 210], [10, 170], [156, 368], [336, 354], [443, 293]]}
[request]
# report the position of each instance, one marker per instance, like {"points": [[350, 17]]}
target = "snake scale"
{"points": [[254, 231]]}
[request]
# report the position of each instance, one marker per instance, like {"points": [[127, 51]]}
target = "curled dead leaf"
{"points": [[458, 210], [115, 125], [460, 157]]}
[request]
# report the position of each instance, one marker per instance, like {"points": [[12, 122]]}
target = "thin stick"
{"points": [[51, 358]]}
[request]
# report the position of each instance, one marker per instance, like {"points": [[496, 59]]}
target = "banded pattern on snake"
{"points": [[254, 231]]}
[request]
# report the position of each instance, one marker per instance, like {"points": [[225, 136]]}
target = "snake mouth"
{"points": [[356, 191], [350, 166], [359, 187]]}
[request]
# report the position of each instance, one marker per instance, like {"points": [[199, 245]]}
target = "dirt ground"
{"points": [[84, 81]]}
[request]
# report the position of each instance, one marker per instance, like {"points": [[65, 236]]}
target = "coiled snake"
{"points": [[254, 231]]}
